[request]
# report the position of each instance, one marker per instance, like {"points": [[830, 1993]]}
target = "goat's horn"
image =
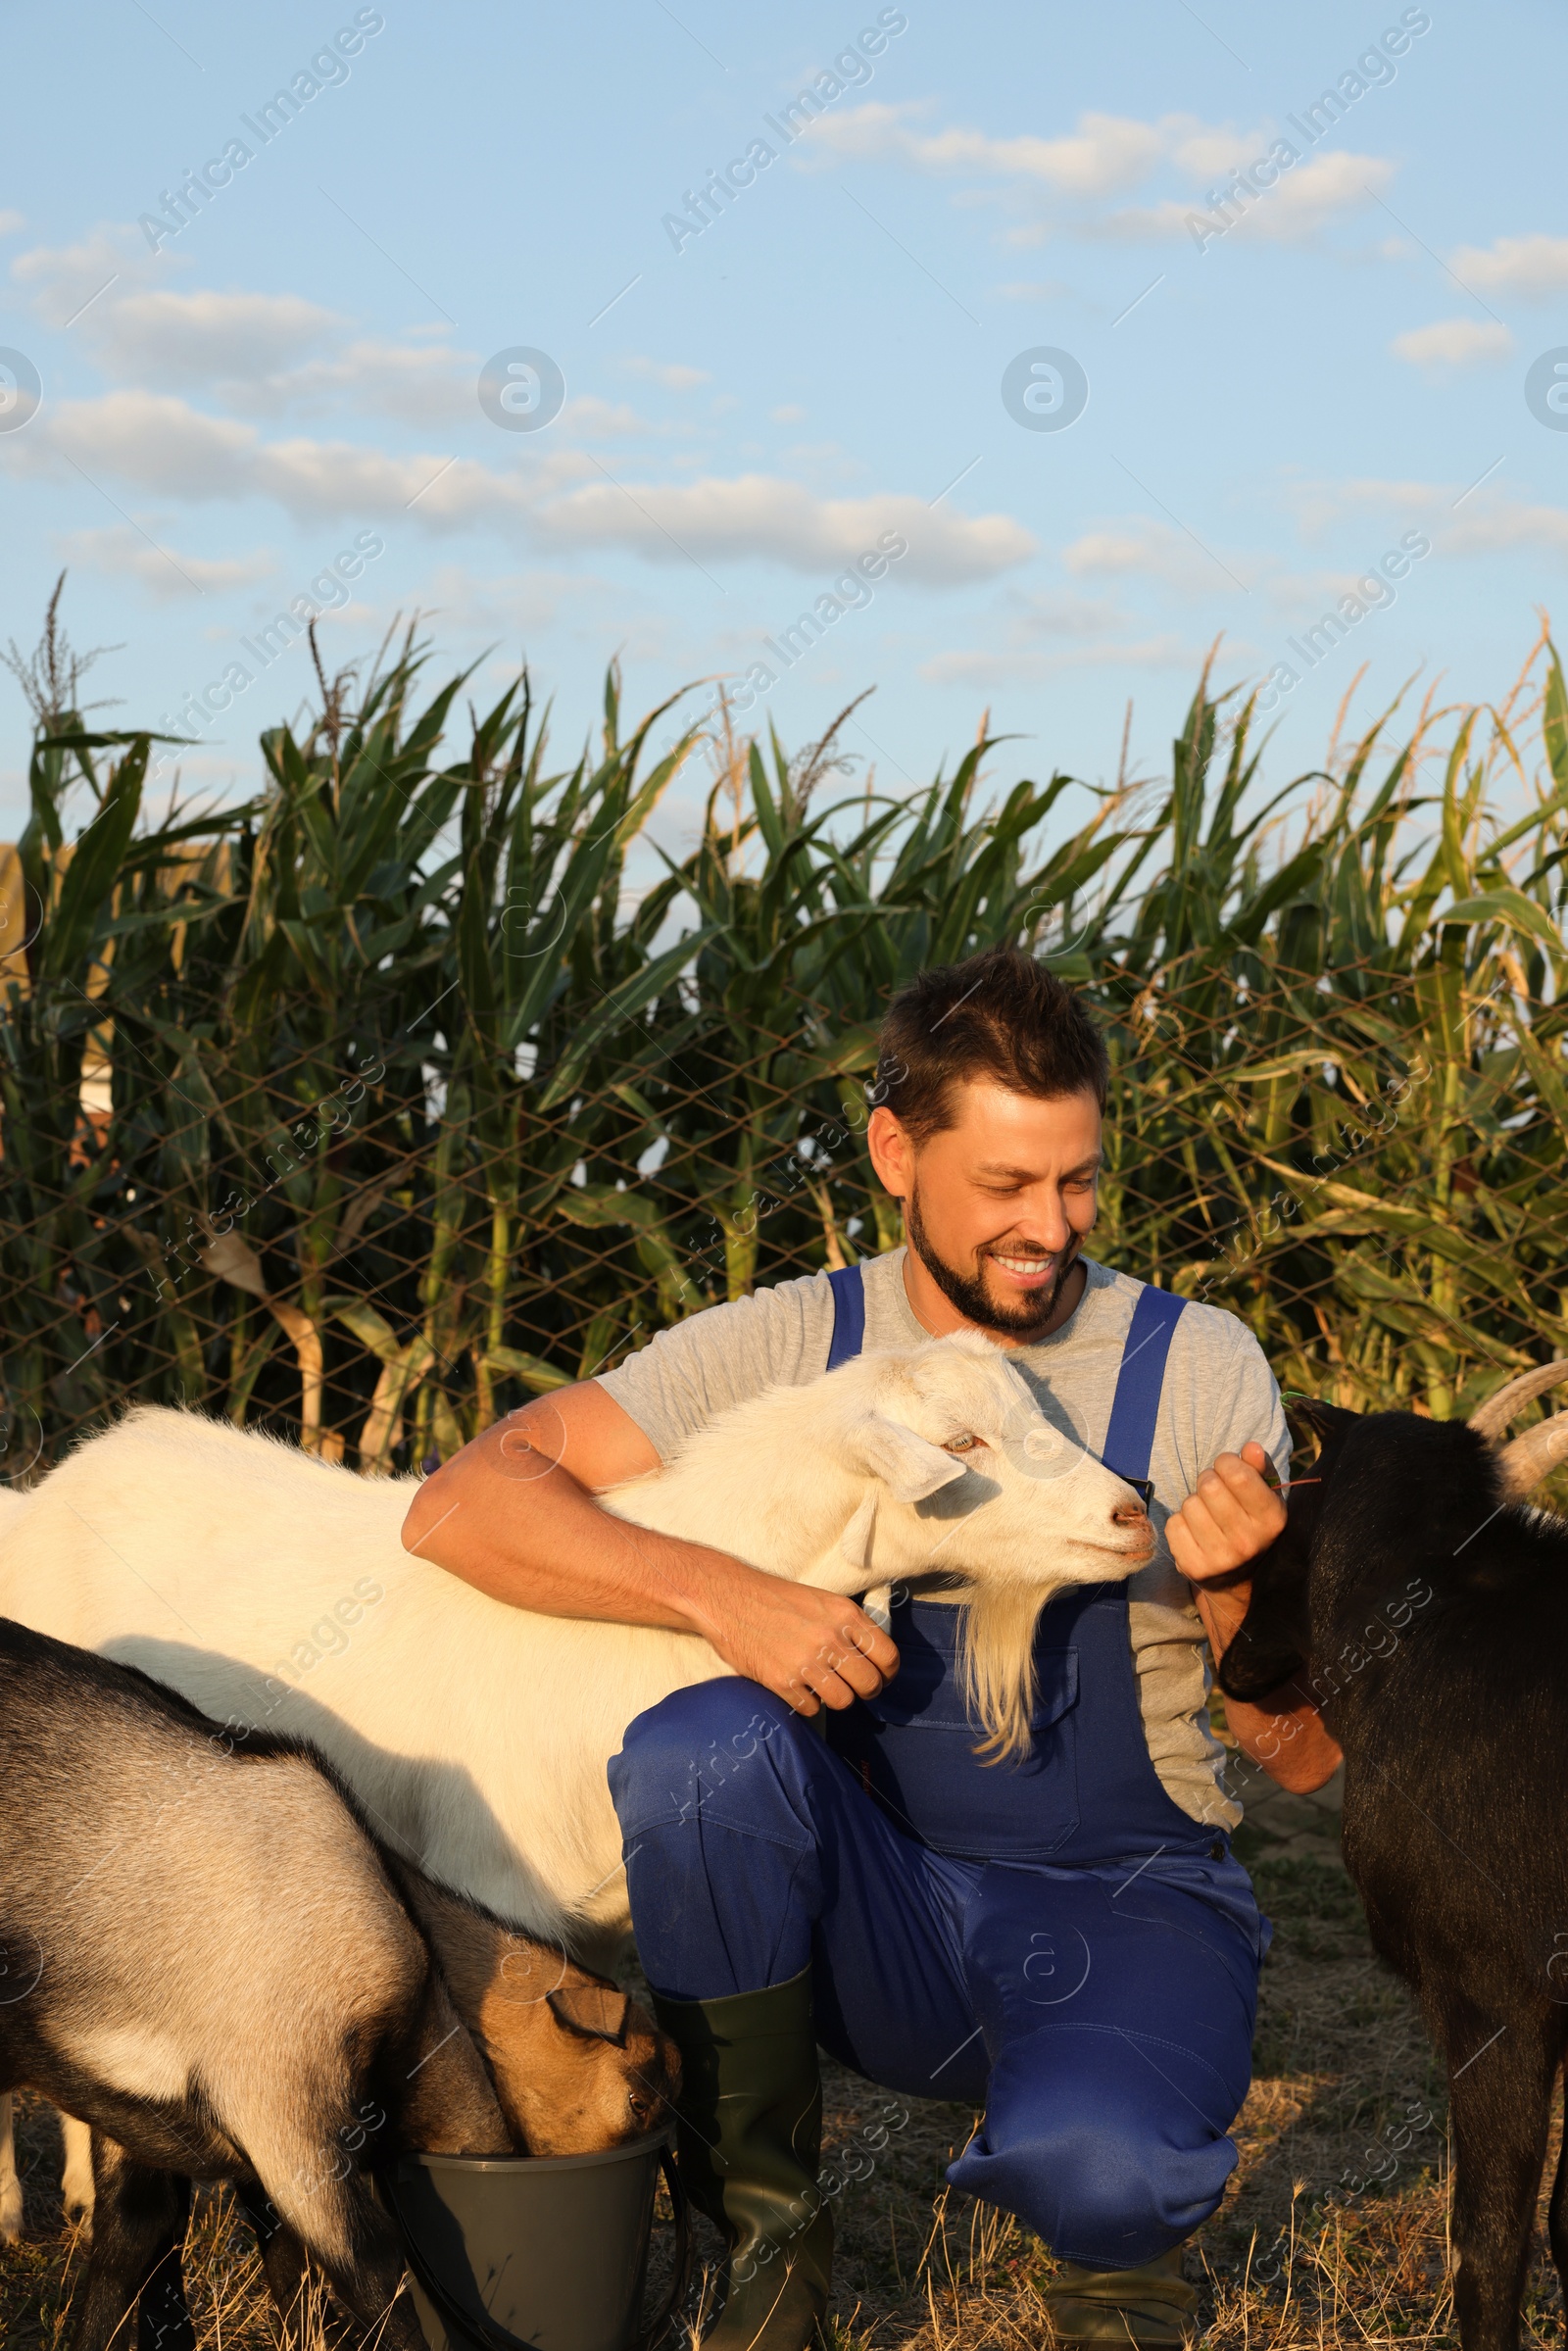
{"points": [[1492, 1417], [1527, 1459]]}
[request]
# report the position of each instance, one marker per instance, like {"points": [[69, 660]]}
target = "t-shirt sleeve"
{"points": [[1246, 1403], [1219, 1395], [687, 1375]]}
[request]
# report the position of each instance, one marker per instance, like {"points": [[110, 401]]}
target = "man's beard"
{"points": [[968, 1293]]}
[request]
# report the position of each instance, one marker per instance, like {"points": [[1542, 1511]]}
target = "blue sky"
{"points": [[1289, 378]]}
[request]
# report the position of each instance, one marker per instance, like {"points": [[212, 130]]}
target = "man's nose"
{"points": [[1049, 1236]]}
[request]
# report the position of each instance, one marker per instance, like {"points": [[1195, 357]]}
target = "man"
{"points": [[1064, 1941]]}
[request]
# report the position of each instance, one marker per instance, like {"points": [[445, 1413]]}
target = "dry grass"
{"points": [[1294, 2256]]}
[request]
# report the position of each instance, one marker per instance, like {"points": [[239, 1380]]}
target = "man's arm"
{"points": [[1220, 1529], [515, 1515]]}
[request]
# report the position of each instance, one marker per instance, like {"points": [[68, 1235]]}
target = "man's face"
{"points": [[997, 1206]]}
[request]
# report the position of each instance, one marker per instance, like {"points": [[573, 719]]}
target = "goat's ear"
{"points": [[595, 2011], [1322, 1420], [854, 1544], [1257, 1664], [911, 1467]]}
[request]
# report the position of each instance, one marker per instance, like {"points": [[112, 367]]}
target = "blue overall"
{"points": [[1054, 1940]]}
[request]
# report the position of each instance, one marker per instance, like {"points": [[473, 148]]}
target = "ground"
{"points": [[1333, 2232]]}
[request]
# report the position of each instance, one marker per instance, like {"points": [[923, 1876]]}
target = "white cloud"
{"points": [[1300, 595], [601, 420], [1042, 632], [1171, 217], [788, 415], [62, 279], [10, 222], [1108, 154], [1461, 518], [1207, 152], [1019, 665], [827, 464], [1105, 152], [123, 553], [1452, 343], [1534, 266], [429, 385], [257, 354], [171, 340], [1030, 617], [1303, 201], [1318, 504], [162, 445], [1065, 613], [1032, 289], [1311, 195], [260, 355], [760, 517], [505, 605], [1503, 525], [669, 373], [1146, 549]]}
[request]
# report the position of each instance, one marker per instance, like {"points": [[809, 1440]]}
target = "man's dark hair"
{"points": [[997, 1015]]}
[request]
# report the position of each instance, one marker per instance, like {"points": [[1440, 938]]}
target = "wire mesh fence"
{"points": [[344, 1246], [381, 1104]]}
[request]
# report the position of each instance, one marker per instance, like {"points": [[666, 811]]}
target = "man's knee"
{"points": [[1104, 2181], [717, 1743]]}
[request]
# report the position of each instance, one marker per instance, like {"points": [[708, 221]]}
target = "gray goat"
{"points": [[208, 1957]]}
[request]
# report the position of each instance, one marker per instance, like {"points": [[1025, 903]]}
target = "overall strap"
{"points": [[1135, 1407], [849, 1314]]}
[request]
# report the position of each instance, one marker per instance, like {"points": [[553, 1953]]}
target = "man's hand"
{"points": [[1218, 1531], [515, 1515], [1231, 1518], [811, 1649]]}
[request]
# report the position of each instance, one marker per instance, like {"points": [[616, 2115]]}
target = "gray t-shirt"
{"points": [[1218, 1393]]}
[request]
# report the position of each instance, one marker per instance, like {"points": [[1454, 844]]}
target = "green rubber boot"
{"points": [[1152, 2307], [749, 2139]]}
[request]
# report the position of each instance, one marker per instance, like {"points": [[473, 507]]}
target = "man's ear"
{"points": [[911, 1467]]}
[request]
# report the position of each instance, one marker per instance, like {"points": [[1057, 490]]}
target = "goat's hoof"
{"points": [[78, 2212], [11, 2213]]}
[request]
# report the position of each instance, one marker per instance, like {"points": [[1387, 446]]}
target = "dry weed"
{"points": [[1333, 2231]]}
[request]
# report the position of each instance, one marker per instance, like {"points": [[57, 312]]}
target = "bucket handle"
{"points": [[483, 2328], [664, 2317]]}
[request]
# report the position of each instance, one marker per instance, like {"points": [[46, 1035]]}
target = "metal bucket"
{"points": [[544, 2251]]}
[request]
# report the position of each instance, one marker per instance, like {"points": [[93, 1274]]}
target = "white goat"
{"points": [[275, 1591]]}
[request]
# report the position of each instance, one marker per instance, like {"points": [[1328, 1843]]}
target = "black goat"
{"points": [[1426, 1612], [208, 1958]]}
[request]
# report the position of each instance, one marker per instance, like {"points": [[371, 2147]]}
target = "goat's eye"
{"points": [[961, 1444]]}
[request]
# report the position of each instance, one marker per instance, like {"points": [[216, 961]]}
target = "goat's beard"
{"points": [[968, 1293]]}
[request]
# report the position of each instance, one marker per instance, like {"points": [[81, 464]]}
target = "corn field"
{"points": [[372, 1107]]}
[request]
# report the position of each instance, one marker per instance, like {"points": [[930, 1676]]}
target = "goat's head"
{"points": [[1389, 1494], [951, 1432], [966, 1475], [577, 2066]]}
